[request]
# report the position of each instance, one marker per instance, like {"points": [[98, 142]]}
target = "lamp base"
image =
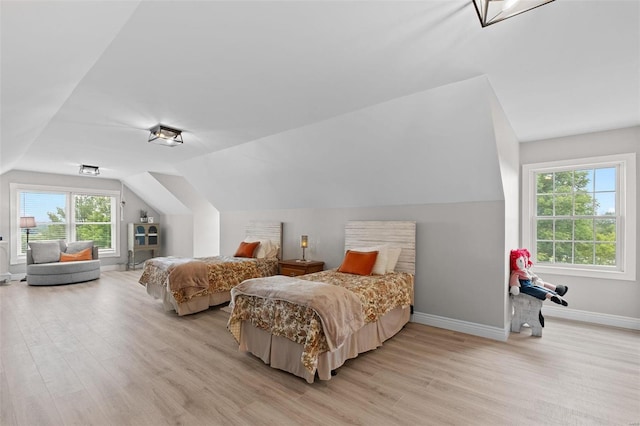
{"points": [[302, 260]]}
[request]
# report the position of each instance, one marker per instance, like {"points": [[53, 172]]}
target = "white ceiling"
{"points": [[82, 81]]}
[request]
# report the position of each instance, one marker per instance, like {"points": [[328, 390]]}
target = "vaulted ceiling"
{"points": [[83, 81]]}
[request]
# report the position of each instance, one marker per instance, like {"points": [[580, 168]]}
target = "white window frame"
{"points": [[16, 188], [626, 207]]}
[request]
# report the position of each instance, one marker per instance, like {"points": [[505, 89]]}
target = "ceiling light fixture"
{"points": [[166, 136], [492, 11], [89, 170]]}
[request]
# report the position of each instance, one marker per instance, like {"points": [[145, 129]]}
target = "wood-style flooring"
{"points": [[105, 353]]}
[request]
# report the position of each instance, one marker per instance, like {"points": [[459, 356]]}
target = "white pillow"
{"points": [[380, 267], [45, 251], [393, 253], [78, 246], [275, 250], [263, 249]]}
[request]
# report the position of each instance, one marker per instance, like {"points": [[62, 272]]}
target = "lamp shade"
{"points": [[27, 222], [304, 241], [492, 11]]}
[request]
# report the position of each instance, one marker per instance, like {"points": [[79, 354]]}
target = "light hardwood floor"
{"points": [[105, 353]]}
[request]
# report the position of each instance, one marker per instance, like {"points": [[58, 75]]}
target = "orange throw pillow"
{"points": [[246, 249], [358, 262], [72, 257]]}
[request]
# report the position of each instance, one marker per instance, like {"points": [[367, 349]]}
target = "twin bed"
{"points": [[308, 325], [190, 285]]}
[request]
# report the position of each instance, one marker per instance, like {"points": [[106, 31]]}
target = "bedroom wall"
{"points": [[460, 277], [131, 211], [589, 296], [177, 235], [508, 149], [193, 234]]}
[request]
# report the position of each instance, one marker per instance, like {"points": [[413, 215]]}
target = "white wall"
{"points": [[508, 150], [203, 237], [177, 235], [595, 296]]}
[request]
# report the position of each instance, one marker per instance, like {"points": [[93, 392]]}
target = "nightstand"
{"points": [[293, 267]]}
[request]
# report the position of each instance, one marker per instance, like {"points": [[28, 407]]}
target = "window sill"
{"points": [[583, 272]]}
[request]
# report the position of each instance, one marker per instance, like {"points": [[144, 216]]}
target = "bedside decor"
{"points": [[492, 11], [304, 243]]}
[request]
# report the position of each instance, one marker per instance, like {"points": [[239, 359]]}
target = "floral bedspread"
{"points": [[379, 294], [224, 272]]}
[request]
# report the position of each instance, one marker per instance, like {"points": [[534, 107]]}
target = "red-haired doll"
{"points": [[525, 281]]}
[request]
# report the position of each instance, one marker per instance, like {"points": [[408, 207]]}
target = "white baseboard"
{"points": [[472, 328], [592, 317], [502, 335]]}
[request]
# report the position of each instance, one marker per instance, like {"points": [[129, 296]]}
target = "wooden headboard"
{"points": [[393, 233], [268, 231]]}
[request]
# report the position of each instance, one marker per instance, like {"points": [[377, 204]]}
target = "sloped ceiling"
{"points": [[400, 152], [82, 81]]}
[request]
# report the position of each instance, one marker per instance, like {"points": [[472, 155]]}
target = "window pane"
{"points": [[606, 254], [605, 179], [564, 229], [584, 253], [93, 219], [584, 204], [583, 230], [564, 252], [544, 183], [545, 229], [100, 234], [606, 203], [564, 205], [544, 252], [605, 229], [563, 182], [49, 211], [545, 205], [92, 208], [583, 180]]}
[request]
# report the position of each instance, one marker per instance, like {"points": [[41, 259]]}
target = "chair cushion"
{"points": [[78, 246], [46, 251]]}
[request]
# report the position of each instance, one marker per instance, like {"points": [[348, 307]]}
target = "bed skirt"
{"points": [[284, 354], [191, 306]]}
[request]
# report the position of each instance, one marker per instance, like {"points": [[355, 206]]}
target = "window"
{"points": [[579, 216], [65, 213]]}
